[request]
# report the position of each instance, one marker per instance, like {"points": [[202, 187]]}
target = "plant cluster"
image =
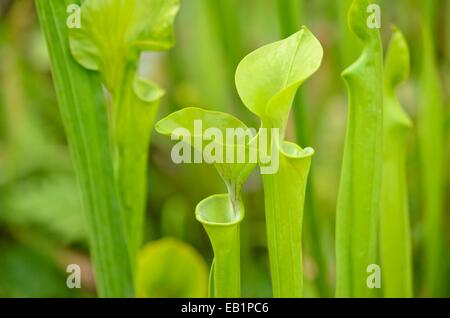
{"points": [[109, 110]]}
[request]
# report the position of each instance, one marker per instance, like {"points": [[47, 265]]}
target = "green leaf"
{"points": [[186, 117], [234, 174], [220, 216], [83, 111], [284, 196], [113, 32], [146, 90], [395, 236], [358, 21], [447, 32], [211, 287], [267, 81], [397, 65], [290, 13], [268, 78], [360, 184], [135, 110], [349, 46], [171, 268], [431, 141]]}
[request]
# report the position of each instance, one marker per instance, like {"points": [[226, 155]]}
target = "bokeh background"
{"points": [[41, 222]]}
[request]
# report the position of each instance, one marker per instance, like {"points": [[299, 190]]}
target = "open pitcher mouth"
{"points": [[219, 210], [292, 150]]}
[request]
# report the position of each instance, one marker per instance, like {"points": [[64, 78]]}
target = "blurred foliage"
{"points": [[27, 272], [171, 268], [52, 205], [40, 210]]}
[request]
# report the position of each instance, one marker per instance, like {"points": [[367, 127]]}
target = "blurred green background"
{"points": [[41, 223]]}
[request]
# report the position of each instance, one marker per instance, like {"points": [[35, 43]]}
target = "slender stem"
{"points": [[83, 112]]}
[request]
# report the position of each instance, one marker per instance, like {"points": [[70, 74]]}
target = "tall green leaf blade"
{"points": [[360, 184], [135, 114], [431, 144], [84, 115], [447, 36], [284, 196], [395, 236]]}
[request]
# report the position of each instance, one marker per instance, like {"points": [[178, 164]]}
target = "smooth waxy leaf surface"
{"points": [[431, 144], [284, 195], [360, 184], [220, 214], [136, 113], [395, 233], [181, 125], [267, 81], [268, 78], [115, 31]]}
